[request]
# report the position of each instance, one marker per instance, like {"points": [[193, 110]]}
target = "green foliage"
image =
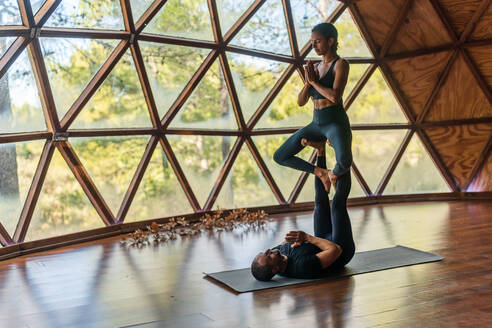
{"points": [[183, 15], [285, 104], [62, 206], [200, 154], [376, 104], [93, 14], [204, 103], [350, 40]]}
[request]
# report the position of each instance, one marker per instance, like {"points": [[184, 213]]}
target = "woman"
{"points": [[325, 83]]}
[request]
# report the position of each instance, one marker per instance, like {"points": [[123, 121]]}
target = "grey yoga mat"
{"points": [[380, 259]]}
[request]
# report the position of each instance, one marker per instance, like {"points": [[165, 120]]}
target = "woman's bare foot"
{"points": [[333, 180], [318, 145], [324, 176]]}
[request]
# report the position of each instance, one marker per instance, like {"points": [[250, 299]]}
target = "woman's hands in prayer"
{"points": [[311, 75]]}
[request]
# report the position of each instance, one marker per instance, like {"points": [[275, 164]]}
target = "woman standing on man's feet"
{"points": [[325, 83]]}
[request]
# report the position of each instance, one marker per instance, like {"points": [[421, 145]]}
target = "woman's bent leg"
{"points": [[285, 154]]}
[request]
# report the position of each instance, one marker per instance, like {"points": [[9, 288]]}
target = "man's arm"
{"points": [[330, 251]]}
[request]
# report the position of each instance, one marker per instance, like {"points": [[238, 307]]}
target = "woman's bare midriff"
{"points": [[322, 103]]}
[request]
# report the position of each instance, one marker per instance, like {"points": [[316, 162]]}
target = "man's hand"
{"points": [[296, 237]]}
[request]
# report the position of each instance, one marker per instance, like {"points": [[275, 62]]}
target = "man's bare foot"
{"points": [[324, 176]]}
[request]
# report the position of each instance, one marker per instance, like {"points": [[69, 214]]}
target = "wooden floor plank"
{"points": [[105, 284]]}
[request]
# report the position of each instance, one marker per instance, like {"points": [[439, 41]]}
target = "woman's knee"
{"points": [[287, 149], [279, 156], [345, 159]]}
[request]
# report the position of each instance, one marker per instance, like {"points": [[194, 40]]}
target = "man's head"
{"points": [[266, 264]]}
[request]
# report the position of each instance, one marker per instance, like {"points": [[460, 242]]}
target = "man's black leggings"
{"points": [[333, 223]]}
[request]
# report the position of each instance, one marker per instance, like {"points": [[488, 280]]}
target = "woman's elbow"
{"points": [[337, 97]]}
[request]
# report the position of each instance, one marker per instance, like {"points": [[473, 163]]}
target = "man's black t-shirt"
{"points": [[303, 262]]}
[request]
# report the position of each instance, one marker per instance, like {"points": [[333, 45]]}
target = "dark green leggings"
{"points": [[332, 223], [328, 123]]}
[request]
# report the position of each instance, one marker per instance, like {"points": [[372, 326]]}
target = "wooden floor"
{"points": [[104, 284]]}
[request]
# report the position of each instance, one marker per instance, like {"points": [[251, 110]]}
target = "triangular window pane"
{"points": [[139, 7], [356, 189], [36, 5], [118, 103], [18, 166], [186, 19], [307, 193], [71, 64], [111, 163], [9, 13], [245, 186], [169, 68], [253, 79], [415, 173], [373, 151], [307, 14], [209, 106], [284, 110], [159, 193], [350, 42], [285, 177], [62, 207], [201, 158], [266, 30], [20, 105], [83, 14], [375, 104], [355, 74], [5, 44], [230, 11]]}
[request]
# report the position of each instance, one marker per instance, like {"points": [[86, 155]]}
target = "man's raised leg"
{"points": [[322, 213]]}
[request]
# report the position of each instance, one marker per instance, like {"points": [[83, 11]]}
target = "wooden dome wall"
{"points": [[437, 55]]}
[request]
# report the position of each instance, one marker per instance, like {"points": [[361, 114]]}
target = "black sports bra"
{"points": [[327, 80]]}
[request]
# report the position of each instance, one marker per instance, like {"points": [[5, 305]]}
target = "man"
{"points": [[303, 255]]}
